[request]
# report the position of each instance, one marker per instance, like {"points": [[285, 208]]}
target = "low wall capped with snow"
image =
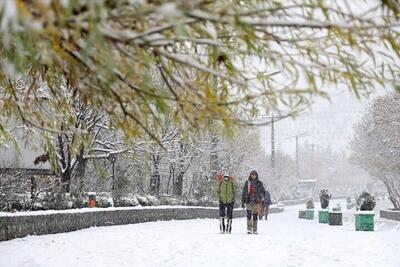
{"points": [[390, 214], [50, 222]]}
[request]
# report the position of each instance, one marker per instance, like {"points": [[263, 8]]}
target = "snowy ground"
{"points": [[283, 240]]}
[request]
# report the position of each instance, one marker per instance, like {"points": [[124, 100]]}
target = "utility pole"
{"points": [[312, 153], [297, 158], [312, 160], [272, 142], [297, 154]]}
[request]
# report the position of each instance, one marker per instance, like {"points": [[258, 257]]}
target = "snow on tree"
{"points": [[107, 51], [376, 143], [80, 71], [80, 132]]}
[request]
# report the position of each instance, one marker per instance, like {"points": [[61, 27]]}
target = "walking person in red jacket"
{"points": [[252, 198]]}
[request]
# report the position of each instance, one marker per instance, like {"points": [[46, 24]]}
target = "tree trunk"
{"points": [[213, 161], [393, 188], [33, 192], [178, 185], [66, 181], [79, 172], [193, 183], [155, 175], [171, 175]]}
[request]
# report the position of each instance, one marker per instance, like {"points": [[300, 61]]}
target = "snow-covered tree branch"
{"points": [[207, 52], [376, 144]]}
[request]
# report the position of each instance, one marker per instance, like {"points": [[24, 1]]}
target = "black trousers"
{"points": [[226, 209], [266, 211]]}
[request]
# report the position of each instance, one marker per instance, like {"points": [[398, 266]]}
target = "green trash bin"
{"points": [[309, 214], [323, 216], [364, 221]]}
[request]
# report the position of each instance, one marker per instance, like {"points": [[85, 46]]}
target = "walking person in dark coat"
{"points": [[252, 198], [226, 199], [267, 201]]}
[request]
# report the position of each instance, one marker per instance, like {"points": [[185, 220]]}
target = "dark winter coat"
{"points": [[267, 198], [260, 191]]}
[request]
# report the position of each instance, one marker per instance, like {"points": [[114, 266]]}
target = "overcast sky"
{"points": [[325, 123]]}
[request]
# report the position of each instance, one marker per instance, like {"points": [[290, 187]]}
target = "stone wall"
{"points": [[390, 214], [14, 226]]}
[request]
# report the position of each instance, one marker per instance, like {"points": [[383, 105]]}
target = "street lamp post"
{"points": [[297, 152]]}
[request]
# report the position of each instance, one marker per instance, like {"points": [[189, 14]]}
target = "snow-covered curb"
{"points": [[50, 222], [84, 210]]}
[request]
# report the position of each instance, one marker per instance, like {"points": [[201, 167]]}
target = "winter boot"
{"points": [[229, 226], [249, 226], [222, 225]]}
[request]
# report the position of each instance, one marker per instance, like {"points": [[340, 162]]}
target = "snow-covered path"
{"points": [[283, 240]]}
